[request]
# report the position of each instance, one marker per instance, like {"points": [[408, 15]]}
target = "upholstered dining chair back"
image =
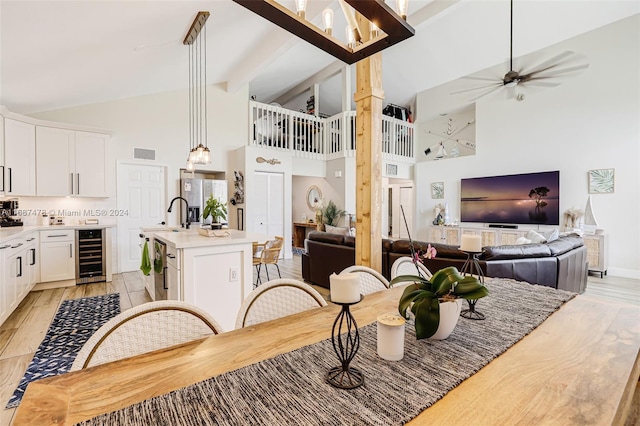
{"points": [[405, 266], [276, 299], [371, 280], [145, 328]]}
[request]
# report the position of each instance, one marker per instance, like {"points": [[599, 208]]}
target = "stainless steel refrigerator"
{"points": [[196, 191]]}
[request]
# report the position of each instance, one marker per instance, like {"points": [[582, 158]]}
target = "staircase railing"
{"points": [[307, 136]]}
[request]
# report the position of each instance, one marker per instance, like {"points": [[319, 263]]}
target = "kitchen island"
{"points": [[213, 273]]}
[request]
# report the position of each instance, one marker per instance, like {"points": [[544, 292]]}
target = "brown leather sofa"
{"points": [[560, 264]]}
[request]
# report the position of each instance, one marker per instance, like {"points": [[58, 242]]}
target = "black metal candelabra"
{"points": [[346, 341], [472, 267]]}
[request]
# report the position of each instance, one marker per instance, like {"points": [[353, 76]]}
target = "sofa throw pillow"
{"points": [[336, 230], [551, 235], [523, 240], [535, 237]]}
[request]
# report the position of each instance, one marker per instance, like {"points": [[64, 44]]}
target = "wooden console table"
{"points": [[300, 232]]}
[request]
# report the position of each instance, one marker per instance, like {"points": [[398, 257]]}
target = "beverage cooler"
{"points": [[90, 256]]}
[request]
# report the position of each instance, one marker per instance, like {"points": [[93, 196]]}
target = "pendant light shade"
{"points": [[198, 144]]}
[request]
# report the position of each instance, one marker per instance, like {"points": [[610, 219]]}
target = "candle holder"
{"points": [[346, 341], [472, 267]]}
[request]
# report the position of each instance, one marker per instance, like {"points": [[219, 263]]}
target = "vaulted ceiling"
{"points": [[56, 54]]}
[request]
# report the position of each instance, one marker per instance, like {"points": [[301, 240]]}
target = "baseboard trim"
{"points": [[54, 284], [624, 273]]}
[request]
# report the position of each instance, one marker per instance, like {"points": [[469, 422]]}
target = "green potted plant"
{"points": [[331, 214], [429, 300], [216, 209]]}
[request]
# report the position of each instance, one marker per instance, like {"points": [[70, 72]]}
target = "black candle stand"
{"points": [[472, 267], [346, 341]]}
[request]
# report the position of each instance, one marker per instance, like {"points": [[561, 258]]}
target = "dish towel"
{"points": [[145, 264], [157, 262]]}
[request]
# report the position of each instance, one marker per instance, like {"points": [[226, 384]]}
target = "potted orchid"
{"points": [[436, 302]]}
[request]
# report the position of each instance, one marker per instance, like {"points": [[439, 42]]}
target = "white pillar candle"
{"points": [[345, 288], [391, 337], [471, 243]]}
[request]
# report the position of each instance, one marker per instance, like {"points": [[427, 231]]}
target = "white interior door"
{"points": [[269, 218], [406, 201], [141, 192]]}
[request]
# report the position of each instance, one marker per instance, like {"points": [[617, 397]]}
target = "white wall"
{"points": [[160, 122], [588, 122]]}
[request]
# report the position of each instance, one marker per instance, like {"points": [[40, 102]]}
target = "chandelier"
{"points": [[198, 150], [386, 26]]}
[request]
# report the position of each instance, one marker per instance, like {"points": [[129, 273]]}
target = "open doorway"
{"points": [[400, 197]]}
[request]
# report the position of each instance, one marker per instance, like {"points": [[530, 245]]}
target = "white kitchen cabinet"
{"points": [[4, 272], [33, 259], [70, 163], [172, 274], [57, 255], [91, 164], [19, 158]]}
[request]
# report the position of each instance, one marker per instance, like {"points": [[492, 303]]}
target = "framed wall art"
{"points": [[437, 190], [601, 181]]}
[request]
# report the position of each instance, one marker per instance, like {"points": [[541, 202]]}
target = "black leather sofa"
{"points": [[560, 264]]}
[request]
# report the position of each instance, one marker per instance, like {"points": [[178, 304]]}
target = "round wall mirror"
{"points": [[314, 197]]}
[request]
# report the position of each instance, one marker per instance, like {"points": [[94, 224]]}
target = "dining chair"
{"points": [[270, 256], [405, 266], [276, 299], [258, 248], [145, 328], [370, 279]]}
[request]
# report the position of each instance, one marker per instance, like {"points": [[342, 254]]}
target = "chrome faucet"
{"points": [[184, 225]]}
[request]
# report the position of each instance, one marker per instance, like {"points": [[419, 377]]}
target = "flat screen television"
{"points": [[530, 198]]}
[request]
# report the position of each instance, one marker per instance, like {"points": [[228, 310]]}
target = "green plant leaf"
{"points": [[466, 285], [427, 312], [410, 295], [408, 278], [445, 279], [476, 294]]}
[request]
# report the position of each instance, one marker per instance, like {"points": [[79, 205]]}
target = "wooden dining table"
{"points": [[579, 367]]}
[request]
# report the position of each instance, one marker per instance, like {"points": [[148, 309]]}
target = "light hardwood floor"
{"points": [[23, 331]]}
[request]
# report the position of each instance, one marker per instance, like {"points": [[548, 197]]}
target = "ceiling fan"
{"points": [[545, 74]]}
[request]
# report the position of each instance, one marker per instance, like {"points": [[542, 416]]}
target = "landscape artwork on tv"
{"points": [[531, 198]]}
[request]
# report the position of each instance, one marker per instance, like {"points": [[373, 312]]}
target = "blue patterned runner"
{"points": [[73, 324]]}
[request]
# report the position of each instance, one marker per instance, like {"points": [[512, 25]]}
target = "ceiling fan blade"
{"points": [[554, 61], [475, 88], [549, 73], [487, 93], [470, 77], [534, 82]]}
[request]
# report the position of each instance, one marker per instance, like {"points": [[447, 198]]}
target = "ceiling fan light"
{"points": [[512, 83]]}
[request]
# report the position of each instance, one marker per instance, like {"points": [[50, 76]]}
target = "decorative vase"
{"points": [[449, 314]]}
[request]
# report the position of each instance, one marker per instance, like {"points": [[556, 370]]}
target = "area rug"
{"points": [[291, 389], [73, 324]]}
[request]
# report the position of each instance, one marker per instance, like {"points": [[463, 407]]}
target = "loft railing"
{"points": [[307, 136]]}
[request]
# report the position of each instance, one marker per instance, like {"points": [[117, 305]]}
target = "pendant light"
{"points": [[199, 152]]}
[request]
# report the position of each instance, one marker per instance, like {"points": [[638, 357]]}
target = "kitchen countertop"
{"points": [[9, 232], [191, 238]]}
